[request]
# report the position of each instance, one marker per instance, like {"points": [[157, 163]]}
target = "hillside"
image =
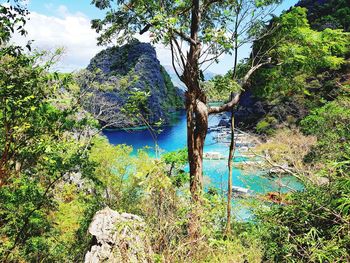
{"points": [[131, 70], [310, 67]]}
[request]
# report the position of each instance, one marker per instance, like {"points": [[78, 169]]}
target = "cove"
{"points": [[173, 137]]}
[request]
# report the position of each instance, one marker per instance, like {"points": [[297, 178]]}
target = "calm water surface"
{"points": [[173, 138]]}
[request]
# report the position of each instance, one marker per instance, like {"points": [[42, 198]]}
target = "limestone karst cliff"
{"points": [[132, 68]]}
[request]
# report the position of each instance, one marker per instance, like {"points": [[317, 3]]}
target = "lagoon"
{"points": [[173, 137]]}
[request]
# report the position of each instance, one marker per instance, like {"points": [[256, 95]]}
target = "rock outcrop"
{"points": [[250, 110], [135, 67], [118, 238]]}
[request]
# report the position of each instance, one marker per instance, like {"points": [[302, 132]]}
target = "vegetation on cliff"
{"points": [[311, 69]]}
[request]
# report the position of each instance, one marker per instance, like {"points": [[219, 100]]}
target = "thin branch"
{"points": [[173, 60], [179, 52]]}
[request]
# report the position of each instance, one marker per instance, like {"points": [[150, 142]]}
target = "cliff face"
{"points": [[135, 67], [322, 14]]}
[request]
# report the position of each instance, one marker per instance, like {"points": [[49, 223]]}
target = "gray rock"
{"points": [[118, 238], [137, 62]]}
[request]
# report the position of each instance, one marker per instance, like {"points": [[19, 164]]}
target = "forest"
{"points": [[72, 189]]}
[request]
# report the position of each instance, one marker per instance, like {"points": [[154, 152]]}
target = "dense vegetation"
{"points": [[310, 90], [56, 170], [311, 66]]}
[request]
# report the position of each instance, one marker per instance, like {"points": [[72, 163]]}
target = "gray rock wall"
{"points": [[135, 67], [118, 238]]}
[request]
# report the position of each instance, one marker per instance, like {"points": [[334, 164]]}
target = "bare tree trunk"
{"points": [[230, 167], [197, 126], [197, 120], [232, 142]]}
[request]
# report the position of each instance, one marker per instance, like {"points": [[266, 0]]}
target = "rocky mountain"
{"points": [[133, 76]]}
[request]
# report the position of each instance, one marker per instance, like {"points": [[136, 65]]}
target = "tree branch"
{"points": [[173, 59], [180, 53], [235, 99], [252, 70], [185, 37], [145, 29], [226, 106]]}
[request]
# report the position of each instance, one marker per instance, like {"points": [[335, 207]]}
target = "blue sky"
{"points": [[66, 23], [84, 6], [74, 6]]}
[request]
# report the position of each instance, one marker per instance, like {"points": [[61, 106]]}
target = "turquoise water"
{"points": [[173, 137]]}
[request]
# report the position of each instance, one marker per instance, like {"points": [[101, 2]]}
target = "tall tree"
{"points": [[197, 33]]}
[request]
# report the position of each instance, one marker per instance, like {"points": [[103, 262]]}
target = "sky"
{"points": [[66, 23]]}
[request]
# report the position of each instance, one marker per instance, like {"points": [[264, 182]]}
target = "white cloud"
{"points": [[73, 32]]}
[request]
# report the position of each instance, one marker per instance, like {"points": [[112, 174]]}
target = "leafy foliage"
{"points": [[220, 87], [12, 18], [312, 229], [299, 52], [38, 150], [176, 162], [330, 124]]}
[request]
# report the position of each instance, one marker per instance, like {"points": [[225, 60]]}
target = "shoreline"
{"points": [[173, 120]]}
